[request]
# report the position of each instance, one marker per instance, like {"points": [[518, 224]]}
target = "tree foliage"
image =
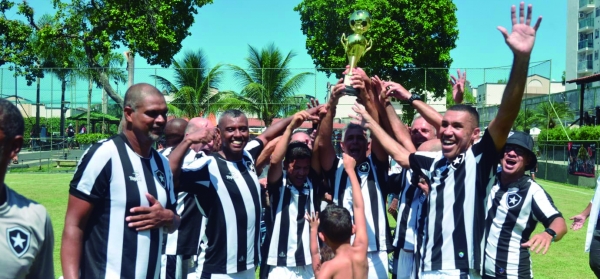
{"points": [[152, 29], [545, 115], [269, 86], [192, 86], [406, 35]]}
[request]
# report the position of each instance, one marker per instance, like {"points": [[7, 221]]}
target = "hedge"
{"points": [[557, 135]]}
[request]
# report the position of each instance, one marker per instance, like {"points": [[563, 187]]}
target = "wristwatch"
{"points": [[551, 232], [414, 97]]}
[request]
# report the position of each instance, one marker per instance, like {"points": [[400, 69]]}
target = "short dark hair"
{"points": [[336, 223], [300, 131], [233, 113], [137, 92], [471, 110], [11, 120], [297, 151]]}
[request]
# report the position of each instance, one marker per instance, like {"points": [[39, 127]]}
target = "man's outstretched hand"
{"points": [[522, 38]]}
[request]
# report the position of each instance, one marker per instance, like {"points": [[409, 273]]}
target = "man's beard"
{"points": [[153, 137]]}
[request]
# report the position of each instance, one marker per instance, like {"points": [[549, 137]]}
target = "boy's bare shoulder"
{"points": [[338, 267]]}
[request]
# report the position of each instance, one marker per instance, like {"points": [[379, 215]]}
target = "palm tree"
{"points": [[193, 86], [57, 57], [268, 85], [110, 68], [525, 120], [548, 114]]}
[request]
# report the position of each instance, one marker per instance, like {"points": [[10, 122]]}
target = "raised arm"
{"points": [[326, 150], [315, 162], [265, 156], [361, 239], [362, 82], [203, 136], [521, 42], [313, 220], [398, 153], [398, 91], [276, 169]]}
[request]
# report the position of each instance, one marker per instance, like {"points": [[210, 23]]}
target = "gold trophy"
{"points": [[356, 45]]}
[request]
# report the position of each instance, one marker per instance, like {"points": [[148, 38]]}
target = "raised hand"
{"points": [[337, 92], [379, 89], [300, 117], [578, 222], [362, 117], [522, 38], [313, 219], [458, 86], [397, 91], [204, 136], [349, 162]]}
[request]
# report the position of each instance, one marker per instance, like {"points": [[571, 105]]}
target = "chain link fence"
{"points": [[82, 95]]}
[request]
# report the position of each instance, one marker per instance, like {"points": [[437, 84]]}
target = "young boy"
{"points": [[335, 229]]}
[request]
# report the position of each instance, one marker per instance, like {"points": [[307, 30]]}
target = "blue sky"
{"points": [[225, 28]]}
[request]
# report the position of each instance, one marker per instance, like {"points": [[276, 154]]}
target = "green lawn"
{"points": [[565, 259]]}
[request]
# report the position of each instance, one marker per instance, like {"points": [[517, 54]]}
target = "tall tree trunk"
{"points": [[105, 82], [63, 89], [89, 104], [104, 109]]}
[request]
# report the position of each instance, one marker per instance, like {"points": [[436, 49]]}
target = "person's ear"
{"points": [[15, 145], [353, 229], [321, 236], [128, 111], [475, 134]]}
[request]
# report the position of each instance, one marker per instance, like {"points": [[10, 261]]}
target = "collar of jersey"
{"points": [[521, 183], [129, 145]]}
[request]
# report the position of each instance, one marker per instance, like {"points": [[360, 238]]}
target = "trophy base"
{"points": [[350, 91]]}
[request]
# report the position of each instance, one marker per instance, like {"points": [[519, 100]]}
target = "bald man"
{"points": [[174, 131], [115, 216]]}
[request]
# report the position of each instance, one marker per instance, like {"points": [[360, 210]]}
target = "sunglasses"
{"points": [[510, 147]]}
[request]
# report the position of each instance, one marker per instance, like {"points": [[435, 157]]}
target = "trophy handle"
{"points": [[369, 45], [344, 41]]}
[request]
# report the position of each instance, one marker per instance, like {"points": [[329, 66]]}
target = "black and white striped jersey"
{"points": [[114, 179], [290, 236], [453, 229], [513, 212], [228, 193], [185, 240], [372, 175], [410, 199]]}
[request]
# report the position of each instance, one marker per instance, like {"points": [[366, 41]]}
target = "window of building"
{"points": [[595, 55], [598, 12], [596, 33]]}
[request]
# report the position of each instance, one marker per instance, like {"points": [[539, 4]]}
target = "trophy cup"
{"points": [[356, 45]]}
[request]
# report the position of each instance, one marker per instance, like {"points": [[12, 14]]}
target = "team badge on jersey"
{"points": [[364, 167], [18, 240], [161, 178], [457, 161], [513, 200]]}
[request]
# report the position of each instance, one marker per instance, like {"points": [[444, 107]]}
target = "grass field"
{"points": [[565, 259]]}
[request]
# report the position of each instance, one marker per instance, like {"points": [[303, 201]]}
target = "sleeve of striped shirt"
{"points": [[254, 147], [420, 164], [542, 206], [195, 177], [487, 156], [92, 179]]}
